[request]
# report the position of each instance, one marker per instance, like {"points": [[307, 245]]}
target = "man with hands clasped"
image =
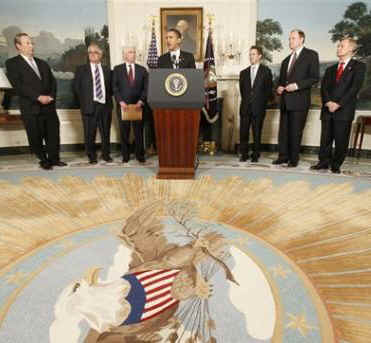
{"points": [[130, 83], [299, 72], [339, 89]]}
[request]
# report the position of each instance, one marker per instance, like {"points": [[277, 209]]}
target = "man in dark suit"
{"points": [[175, 58], [130, 83], [36, 87], [340, 86], [256, 89], [299, 72], [93, 88]]}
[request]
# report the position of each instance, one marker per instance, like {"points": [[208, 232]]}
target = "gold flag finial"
{"points": [[211, 18]]}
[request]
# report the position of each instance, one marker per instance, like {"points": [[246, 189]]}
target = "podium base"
{"points": [[177, 138], [176, 173]]}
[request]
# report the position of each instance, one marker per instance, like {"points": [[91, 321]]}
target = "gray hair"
{"points": [[127, 47], [96, 46]]}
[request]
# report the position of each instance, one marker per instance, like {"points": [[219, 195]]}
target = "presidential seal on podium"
{"points": [[176, 84]]}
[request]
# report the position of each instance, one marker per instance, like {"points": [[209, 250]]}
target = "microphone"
{"points": [[174, 61]]}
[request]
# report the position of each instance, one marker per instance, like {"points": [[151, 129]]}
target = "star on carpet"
{"points": [[280, 271], [299, 322]]}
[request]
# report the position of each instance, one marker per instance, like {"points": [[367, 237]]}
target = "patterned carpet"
{"points": [[245, 253]]}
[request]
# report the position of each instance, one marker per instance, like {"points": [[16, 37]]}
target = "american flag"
{"points": [[210, 78], [150, 293], [152, 59]]}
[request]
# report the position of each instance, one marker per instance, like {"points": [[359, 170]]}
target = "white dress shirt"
{"points": [[253, 72], [132, 68], [102, 83]]}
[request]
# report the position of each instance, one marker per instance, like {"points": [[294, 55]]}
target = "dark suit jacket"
{"points": [[28, 85], [343, 92], [254, 99], [305, 74], [121, 88], [186, 60], [83, 87]]}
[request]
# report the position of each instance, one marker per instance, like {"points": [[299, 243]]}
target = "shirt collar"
{"points": [[255, 66], [31, 58], [175, 52], [93, 65], [298, 51], [345, 62]]}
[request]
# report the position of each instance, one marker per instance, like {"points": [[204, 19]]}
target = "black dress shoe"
{"points": [[243, 158], [254, 159], [108, 159], [93, 161], [141, 159], [58, 164], [125, 160], [319, 166], [335, 170], [45, 165], [279, 161], [292, 164]]}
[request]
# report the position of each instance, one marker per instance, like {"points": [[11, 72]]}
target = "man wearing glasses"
{"points": [[36, 87], [92, 86]]}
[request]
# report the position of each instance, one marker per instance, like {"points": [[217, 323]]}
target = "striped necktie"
{"points": [[98, 85]]}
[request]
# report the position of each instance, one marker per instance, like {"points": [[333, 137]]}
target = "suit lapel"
{"points": [[299, 59], [347, 70], [181, 59], [26, 66]]}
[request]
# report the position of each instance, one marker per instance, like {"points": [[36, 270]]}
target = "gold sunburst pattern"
{"points": [[325, 230]]}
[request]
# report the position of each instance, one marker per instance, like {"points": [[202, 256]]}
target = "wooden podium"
{"points": [[177, 119]]}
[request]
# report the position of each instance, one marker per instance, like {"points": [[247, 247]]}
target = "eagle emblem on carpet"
{"points": [[179, 266]]}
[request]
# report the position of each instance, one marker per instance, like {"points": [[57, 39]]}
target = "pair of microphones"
{"points": [[175, 61]]}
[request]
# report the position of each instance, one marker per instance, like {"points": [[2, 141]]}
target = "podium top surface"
{"points": [[176, 88]]}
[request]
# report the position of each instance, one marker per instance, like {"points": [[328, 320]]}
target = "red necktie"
{"points": [[131, 76], [339, 71]]}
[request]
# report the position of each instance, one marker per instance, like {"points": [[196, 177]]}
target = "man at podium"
{"points": [[175, 58]]}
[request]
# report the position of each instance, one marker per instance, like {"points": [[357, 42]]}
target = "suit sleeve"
{"points": [[269, 85], [115, 85], [53, 83], [143, 95], [359, 77], [242, 90], [324, 87], [313, 76], [281, 80], [15, 78], [77, 82]]}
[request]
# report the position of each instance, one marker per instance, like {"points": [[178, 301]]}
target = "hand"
{"points": [[123, 105], [332, 106], [139, 104], [280, 90], [292, 87], [45, 99]]}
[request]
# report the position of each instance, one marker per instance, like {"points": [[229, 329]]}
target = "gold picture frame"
{"points": [[188, 20]]}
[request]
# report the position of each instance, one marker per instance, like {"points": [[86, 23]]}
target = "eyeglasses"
{"points": [[94, 53]]}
